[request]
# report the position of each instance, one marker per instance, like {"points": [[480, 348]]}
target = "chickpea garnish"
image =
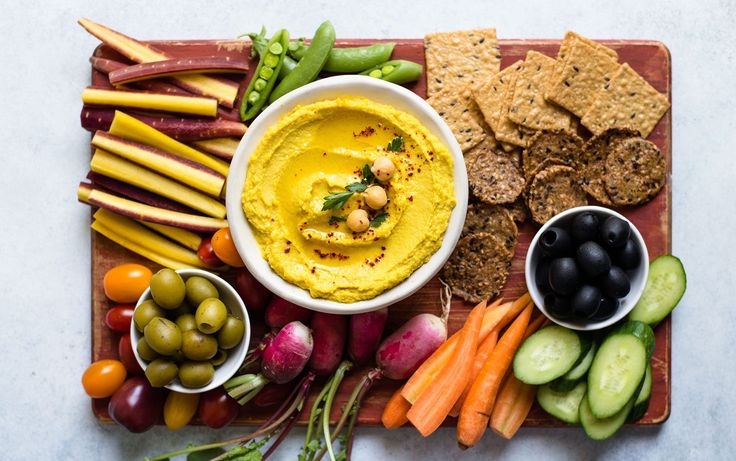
{"points": [[383, 168], [375, 197], [358, 221]]}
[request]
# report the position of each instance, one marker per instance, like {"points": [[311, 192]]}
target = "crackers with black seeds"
{"points": [[478, 268], [554, 190], [635, 171], [554, 146], [457, 108], [492, 219], [493, 176], [593, 161]]}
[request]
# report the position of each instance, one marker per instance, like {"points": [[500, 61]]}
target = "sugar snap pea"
{"points": [[260, 43], [397, 71], [310, 65], [264, 79], [348, 60]]}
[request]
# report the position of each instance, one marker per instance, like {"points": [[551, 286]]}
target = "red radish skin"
{"points": [[404, 350], [255, 296], [288, 353], [329, 332], [280, 312], [177, 66], [365, 334], [272, 394]]}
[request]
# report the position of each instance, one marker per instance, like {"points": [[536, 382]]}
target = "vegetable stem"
{"points": [[339, 375]]}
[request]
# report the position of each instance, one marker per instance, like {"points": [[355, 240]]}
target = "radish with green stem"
{"points": [[329, 332], [365, 334]]}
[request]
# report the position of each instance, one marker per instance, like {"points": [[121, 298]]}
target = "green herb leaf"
{"points": [[378, 220], [356, 187], [368, 177], [396, 144], [336, 201], [336, 219]]}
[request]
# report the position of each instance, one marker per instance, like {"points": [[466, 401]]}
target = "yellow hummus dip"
{"points": [[317, 150]]}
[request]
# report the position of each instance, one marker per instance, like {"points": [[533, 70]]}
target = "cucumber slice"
{"points": [[665, 286], [601, 429], [618, 368], [547, 354], [642, 398], [570, 379], [562, 405]]}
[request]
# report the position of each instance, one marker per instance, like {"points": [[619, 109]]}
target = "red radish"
{"points": [[365, 334], [329, 332], [287, 354], [255, 295], [406, 348], [280, 312]]}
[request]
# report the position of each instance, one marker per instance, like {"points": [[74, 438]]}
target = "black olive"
{"points": [[555, 241], [584, 227], [628, 256], [615, 232], [606, 309], [585, 301], [615, 283], [557, 306], [564, 276], [541, 275], [592, 260]]}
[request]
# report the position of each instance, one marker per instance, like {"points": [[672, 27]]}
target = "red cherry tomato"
{"points": [[217, 409], [118, 318], [224, 247], [255, 296], [207, 254], [103, 378], [136, 405], [125, 352], [127, 282]]}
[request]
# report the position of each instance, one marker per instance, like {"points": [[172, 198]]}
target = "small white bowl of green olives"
{"points": [[190, 331]]}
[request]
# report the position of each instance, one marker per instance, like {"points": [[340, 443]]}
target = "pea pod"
{"points": [[348, 60], [264, 79], [310, 65], [397, 71], [260, 45]]}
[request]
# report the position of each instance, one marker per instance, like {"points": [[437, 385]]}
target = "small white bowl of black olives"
{"points": [[190, 331], [586, 268]]}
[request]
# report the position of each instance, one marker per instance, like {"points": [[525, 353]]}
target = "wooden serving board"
{"points": [[654, 220]]}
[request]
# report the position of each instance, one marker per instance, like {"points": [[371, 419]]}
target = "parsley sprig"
{"points": [[396, 144], [338, 200]]}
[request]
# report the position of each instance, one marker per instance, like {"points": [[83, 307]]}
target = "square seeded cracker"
{"points": [[458, 109], [506, 130], [573, 37], [456, 59], [585, 70], [528, 106], [627, 101], [489, 95]]}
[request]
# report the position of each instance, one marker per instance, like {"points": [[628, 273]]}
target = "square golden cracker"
{"points": [[585, 70], [627, 101], [489, 95], [456, 59], [508, 131], [528, 106], [454, 106], [573, 37]]}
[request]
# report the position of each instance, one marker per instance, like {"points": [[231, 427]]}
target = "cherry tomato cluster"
{"points": [[134, 403]]}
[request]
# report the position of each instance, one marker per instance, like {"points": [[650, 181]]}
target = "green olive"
{"points": [[167, 289], [145, 351], [199, 289], [163, 336], [186, 322], [161, 372], [219, 358], [198, 346], [184, 308], [146, 311], [210, 315], [231, 332], [196, 374]]}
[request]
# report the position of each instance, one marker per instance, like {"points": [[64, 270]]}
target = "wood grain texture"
{"points": [[654, 220]]}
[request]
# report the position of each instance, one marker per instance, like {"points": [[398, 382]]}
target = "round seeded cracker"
{"points": [[593, 161], [563, 147], [553, 190], [478, 268], [494, 220], [635, 171], [493, 176]]}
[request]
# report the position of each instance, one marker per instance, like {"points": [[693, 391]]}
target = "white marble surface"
{"points": [[44, 293]]}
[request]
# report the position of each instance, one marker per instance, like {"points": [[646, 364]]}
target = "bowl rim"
{"points": [[632, 298], [242, 348], [324, 89]]}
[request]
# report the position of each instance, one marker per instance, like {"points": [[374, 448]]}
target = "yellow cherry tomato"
{"points": [[224, 247], [179, 409], [103, 378], [127, 282]]}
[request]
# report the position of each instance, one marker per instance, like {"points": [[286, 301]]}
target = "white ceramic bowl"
{"points": [[235, 356], [330, 88], [638, 276]]}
